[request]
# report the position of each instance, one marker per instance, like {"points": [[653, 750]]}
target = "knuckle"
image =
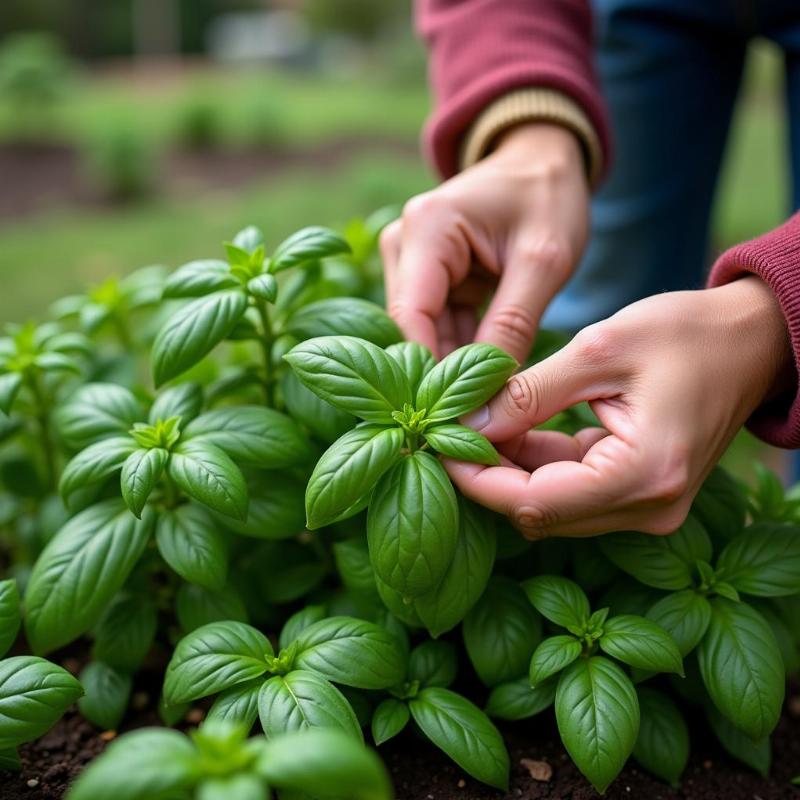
{"points": [[515, 324], [390, 237], [553, 253], [597, 344], [670, 483], [422, 207], [522, 396]]}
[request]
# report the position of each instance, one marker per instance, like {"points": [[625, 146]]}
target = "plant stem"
{"points": [[45, 433], [171, 492], [267, 338]]}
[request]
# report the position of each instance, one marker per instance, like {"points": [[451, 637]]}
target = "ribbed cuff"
{"points": [[533, 105]]}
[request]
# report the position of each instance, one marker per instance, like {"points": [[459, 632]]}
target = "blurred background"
{"points": [[135, 132]]}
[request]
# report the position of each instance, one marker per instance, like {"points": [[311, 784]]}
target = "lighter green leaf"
{"points": [[96, 462], [558, 599], [684, 616], [641, 643], [9, 614], [344, 316], [239, 704], [662, 746], [141, 472], [198, 278], [465, 444], [389, 719], [515, 700], [415, 360], [10, 384], [106, 694], [551, 656], [308, 244]]}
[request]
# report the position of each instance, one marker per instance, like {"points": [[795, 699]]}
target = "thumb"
{"points": [[570, 376]]}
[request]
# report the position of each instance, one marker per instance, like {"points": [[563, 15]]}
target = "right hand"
{"points": [[515, 222]]}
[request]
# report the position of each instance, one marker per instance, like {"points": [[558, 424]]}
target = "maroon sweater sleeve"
{"points": [[482, 49], [775, 257]]}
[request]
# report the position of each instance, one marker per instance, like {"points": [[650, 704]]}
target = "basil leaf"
{"points": [[215, 657], [193, 331], [80, 570], [275, 509], [33, 694], [462, 731], [252, 435], [286, 571], [300, 700], [190, 543], [298, 622], [515, 700], [466, 577], [106, 694], [684, 616], [598, 718], [125, 633], [242, 786], [662, 746], [207, 474], [325, 764], [352, 652], [764, 560], [560, 600], [395, 604], [389, 719], [412, 525], [10, 760], [96, 462], [641, 643], [355, 569], [249, 238], [308, 244], [150, 762], [433, 663], [9, 614], [344, 316], [198, 278], [184, 400], [348, 470], [96, 411], [196, 606], [551, 656], [465, 444], [238, 705], [721, 505], [756, 754], [141, 471], [352, 374], [321, 418], [415, 360], [463, 381], [501, 632], [742, 667], [10, 384]]}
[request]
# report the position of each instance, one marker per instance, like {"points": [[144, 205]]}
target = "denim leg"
{"points": [[670, 70]]}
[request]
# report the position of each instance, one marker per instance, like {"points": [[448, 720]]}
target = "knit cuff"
{"points": [[533, 105]]}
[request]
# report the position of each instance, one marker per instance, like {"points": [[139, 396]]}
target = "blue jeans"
{"points": [[670, 71]]}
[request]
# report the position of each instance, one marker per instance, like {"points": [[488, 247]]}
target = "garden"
{"points": [[232, 564]]}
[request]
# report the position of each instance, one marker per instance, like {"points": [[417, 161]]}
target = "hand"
{"points": [[517, 220], [672, 378]]}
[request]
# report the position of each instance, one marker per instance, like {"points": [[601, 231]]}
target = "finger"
{"points": [[534, 449]]}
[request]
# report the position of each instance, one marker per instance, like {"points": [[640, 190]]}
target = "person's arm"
{"points": [[517, 98], [672, 379]]}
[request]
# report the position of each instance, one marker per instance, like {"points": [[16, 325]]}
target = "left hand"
{"points": [[672, 379]]}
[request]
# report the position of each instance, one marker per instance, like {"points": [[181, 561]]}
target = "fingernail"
{"points": [[477, 420]]}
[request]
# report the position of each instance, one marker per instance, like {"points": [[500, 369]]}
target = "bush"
{"points": [[121, 162]]}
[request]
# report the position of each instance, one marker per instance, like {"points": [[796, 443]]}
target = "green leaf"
{"points": [[107, 692], [33, 695], [764, 560], [325, 764], [196, 606], [551, 656], [433, 663], [308, 244], [239, 704], [354, 567], [10, 384], [249, 238], [96, 411], [348, 470], [352, 374], [344, 316], [466, 577], [198, 278], [415, 360], [662, 746], [241, 786], [9, 614], [193, 546], [412, 526], [352, 652], [141, 471], [275, 510], [215, 657], [463, 381], [515, 700], [721, 505], [184, 400], [253, 435], [598, 718], [756, 754], [501, 632], [465, 444], [641, 643], [150, 763], [80, 570], [389, 719], [207, 474], [462, 731], [95, 463], [742, 667], [684, 616], [560, 600], [321, 418], [264, 287], [57, 362], [10, 760], [125, 633], [301, 700], [298, 622], [193, 331]]}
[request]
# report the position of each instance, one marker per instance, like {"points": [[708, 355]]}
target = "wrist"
{"points": [[547, 142]]}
